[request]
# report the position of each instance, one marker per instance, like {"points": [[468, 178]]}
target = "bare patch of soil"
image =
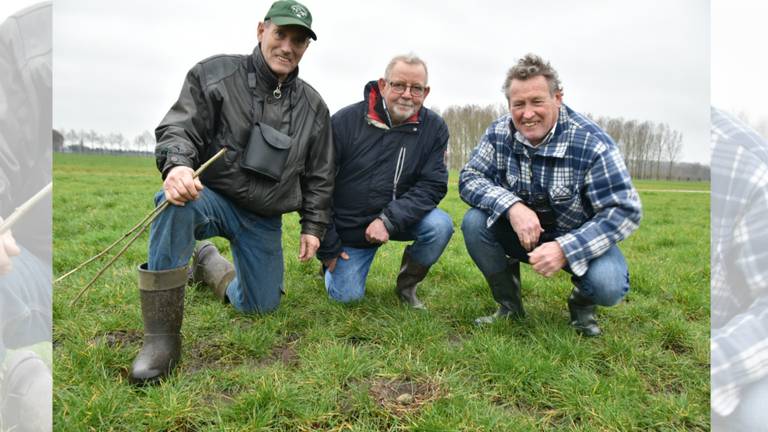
{"points": [[284, 352], [118, 338]]}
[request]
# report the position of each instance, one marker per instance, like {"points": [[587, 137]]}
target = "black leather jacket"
{"points": [[25, 123], [216, 109]]}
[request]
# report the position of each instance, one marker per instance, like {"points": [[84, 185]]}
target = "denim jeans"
{"points": [[255, 242], [25, 303], [606, 281], [347, 281]]}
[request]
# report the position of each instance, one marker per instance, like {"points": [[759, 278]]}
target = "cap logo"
{"points": [[299, 11]]}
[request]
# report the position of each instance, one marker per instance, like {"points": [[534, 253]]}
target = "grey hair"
{"points": [[410, 59], [532, 66]]}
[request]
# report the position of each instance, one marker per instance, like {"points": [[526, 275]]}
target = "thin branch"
{"points": [[141, 227], [24, 208]]}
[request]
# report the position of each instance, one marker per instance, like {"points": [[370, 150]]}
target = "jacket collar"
{"points": [[266, 79], [377, 114], [555, 146]]}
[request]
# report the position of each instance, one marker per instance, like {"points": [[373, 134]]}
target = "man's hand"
{"points": [[8, 249], [526, 225], [308, 248], [180, 185], [547, 259], [376, 232], [330, 264]]}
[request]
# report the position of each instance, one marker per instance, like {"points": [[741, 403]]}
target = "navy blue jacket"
{"points": [[368, 151]]}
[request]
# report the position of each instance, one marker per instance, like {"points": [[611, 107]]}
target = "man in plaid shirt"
{"points": [[739, 276], [548, 187]]}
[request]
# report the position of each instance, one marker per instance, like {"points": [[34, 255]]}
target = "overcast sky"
{"points": [[739, 63], [118, 66]]}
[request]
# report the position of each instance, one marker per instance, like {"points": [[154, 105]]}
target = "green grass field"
{"points": [[317, 365]]}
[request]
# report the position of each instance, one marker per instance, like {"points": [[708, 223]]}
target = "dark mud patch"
{"points": [[118, 338]]}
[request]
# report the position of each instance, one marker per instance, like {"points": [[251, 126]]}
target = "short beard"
{"points": [[398, 118]]}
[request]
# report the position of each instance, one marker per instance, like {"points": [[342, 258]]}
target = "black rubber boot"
{"points": [[162, 308], [505, 287], [411, 273], [582, 311], [25, 393], [212, 270]]}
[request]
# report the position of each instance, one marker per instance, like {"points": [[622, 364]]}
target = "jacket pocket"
{"points": [[566, 202], [511, 181], [267, 152]]}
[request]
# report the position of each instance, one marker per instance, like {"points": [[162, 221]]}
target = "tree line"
{"points": [[90, 141], [651, 150]]}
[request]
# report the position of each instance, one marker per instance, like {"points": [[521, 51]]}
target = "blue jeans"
{"points": [[347, 281], [25, 303], [606, 281], [255, 242]]}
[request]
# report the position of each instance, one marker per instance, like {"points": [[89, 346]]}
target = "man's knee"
{"points": [[439, 226], [474, 229], [263, 300], [344, 291], [259, 306], [473, 224], [606, 281]]}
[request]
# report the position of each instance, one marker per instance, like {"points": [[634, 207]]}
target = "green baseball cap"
{"points": [[290, 12]]}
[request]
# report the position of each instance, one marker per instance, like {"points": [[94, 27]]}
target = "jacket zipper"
{"points": [[398, 170]]}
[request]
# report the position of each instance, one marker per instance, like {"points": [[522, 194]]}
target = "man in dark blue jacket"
{"points": [[391, 176]]}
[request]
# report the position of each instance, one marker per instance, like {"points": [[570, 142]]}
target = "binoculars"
{"points": [[539, 203]]}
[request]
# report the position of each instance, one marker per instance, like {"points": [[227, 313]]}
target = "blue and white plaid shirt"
{"points": [[739, 315], [580, 169]]}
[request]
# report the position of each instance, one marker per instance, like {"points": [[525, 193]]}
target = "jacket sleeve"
{"points": [[317, 180], [426, 193], [739, 348], [617, 211], [479, 184], [185, 130], [330, 246], [10, 125]]}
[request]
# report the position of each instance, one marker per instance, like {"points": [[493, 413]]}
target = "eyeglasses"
{"points": [[298, 41], [400, 87]]}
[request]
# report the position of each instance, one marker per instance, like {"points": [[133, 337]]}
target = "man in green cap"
{"points": [[276, 129]]}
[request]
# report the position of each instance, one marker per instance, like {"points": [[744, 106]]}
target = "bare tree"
{"points": [[144, 142], [673, 146]]}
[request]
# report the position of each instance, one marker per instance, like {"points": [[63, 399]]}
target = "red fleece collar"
{"points": [[374, 99]]}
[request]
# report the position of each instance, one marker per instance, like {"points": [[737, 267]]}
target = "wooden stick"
{"points": [[109, 248], [164, 205], [24, 208], [141, 227]]}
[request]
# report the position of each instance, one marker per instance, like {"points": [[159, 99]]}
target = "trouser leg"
{"points": [[258, 257], [25, 303], [489, 251], [605, 283], [255, 242], [347, 281], [431, 235]]}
